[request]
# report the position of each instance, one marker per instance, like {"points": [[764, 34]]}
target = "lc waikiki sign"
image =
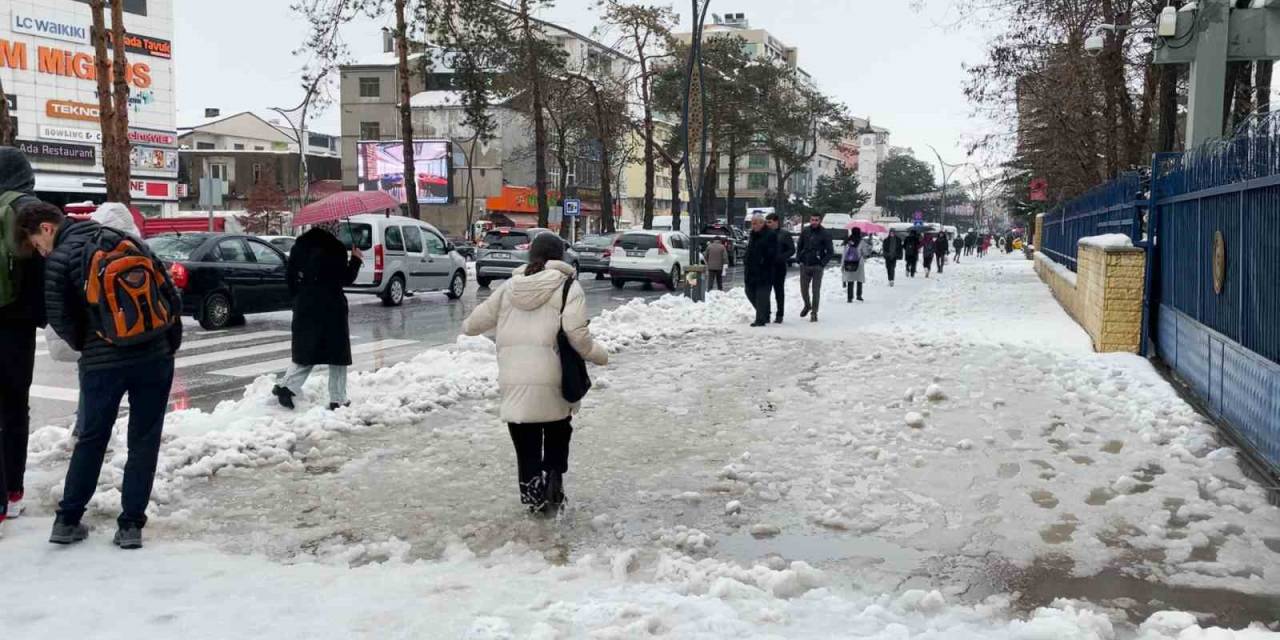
{"points": [[55, 61]]}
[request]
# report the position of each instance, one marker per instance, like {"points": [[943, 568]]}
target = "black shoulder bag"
{"points": [[574, 381]]}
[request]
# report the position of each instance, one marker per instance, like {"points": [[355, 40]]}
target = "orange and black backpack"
{"points": [[127, 290]]}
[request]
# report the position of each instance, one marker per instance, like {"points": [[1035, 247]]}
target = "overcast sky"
{"points": [[898, 62]]}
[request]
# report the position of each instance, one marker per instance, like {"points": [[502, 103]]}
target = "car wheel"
{"points": [[215, 312], [618, 284], [599, 275], [484, 282], [394, 295], [457, 285], [673, 280]]}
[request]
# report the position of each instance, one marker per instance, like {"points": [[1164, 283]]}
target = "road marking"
{"points": [[232, 354], [55, 393], [271, 366], [239, 337]]}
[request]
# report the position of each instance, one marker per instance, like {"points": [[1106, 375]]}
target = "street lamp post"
{"points": [[695, 135], [946, 177]]}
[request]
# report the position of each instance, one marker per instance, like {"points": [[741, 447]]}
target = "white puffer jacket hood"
{"points": [[527, 314], [118, 217]]}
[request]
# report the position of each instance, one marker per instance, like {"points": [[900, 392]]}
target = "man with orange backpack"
{"points": [[112, 300]]}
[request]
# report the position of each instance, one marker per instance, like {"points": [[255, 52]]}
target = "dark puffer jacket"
{"points": [[69, 314], [28, 309]]}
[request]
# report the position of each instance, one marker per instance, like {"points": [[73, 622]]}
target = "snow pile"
{"points": [[670, 316], [1061, 270], [511, 593], [256, 433], [1107, 241]]}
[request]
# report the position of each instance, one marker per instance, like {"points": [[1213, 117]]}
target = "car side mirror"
{"points": [[449, 248]]}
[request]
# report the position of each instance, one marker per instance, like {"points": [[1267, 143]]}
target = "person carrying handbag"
{"points": [[541, 307]]}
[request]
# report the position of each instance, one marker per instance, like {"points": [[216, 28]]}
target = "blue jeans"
{"points": [[101, 391]]}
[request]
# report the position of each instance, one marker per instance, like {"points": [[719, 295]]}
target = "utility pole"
{"points": [[1208, 74], [946, 177]]}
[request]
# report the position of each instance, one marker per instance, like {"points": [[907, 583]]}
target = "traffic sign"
{"points": [[572, 208]]}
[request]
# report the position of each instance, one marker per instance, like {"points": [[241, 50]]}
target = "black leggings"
{"points": [[540, 447]]}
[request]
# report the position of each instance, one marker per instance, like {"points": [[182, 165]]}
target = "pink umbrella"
{"points": [[345, 204], [867, 226]]}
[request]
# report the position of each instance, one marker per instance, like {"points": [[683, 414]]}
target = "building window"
{"points": [[370, 87], [258, 148], [205, 145], [758, 161], [138, 7], [757, 181], [370, 131], [218, 171], [257, 172], [239, 147]]}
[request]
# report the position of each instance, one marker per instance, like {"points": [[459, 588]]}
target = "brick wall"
{"points": [[1106, 295]]}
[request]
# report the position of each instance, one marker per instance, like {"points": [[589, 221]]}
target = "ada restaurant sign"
{"points": [[47, 27], [57, 151]]}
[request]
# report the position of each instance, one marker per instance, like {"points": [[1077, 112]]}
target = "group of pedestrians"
{"points": [[110, 299]]}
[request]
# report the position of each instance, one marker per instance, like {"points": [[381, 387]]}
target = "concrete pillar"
{"points": [[1208, 72]]}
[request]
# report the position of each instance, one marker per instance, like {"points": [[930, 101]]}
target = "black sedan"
{"points": [[224, 276]]}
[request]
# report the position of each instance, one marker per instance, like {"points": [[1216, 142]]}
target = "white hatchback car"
{"points": [[649, 256], [402, 255]]}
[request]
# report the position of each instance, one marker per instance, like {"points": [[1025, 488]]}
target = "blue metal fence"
{"points": [[1113, 207], [1213, 283], [1214, 300]]}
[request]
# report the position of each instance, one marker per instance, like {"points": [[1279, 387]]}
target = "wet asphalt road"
{"points": [[214, 366]]}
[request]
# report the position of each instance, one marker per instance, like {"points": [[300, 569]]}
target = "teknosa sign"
{"points": [[55, 61]]}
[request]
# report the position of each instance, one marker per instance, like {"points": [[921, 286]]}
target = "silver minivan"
{"points": [[402, 256]]}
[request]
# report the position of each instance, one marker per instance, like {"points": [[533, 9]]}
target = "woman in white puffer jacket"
{"points": [[527, 313]]}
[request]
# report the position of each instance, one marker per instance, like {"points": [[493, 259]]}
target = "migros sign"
{"points": [[55, 61]]}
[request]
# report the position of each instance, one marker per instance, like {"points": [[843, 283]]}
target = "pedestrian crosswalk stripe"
{"points": [[232, 354], [239, 337], [272, 366]]}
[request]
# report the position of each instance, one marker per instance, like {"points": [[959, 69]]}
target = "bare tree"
{"points": [[113, 98], [406, 111]]}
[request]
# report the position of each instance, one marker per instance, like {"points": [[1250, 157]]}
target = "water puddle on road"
{"points": [[1047, 580], [820, 549]]}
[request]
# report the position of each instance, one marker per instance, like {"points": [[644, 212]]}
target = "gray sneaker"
{"points": [[67, 533], [128, 537]]}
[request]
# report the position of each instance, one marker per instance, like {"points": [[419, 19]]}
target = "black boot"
{"points": [[533, 494], [804, 312], [555, 491], [849, 289]]}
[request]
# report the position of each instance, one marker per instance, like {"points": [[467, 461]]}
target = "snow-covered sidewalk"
{"points": [[946, 460]]}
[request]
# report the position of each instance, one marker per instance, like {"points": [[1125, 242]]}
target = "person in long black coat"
{"points": [[318, 270], [760, 263], [941, 247], [892, 249], [911, 251]]}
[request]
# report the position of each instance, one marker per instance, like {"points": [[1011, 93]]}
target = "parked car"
{"points": [[737, 239], [505, 249], [402, 256], [594, 253], [224, 277], [649, 256], [283, 243], [463, 246]]}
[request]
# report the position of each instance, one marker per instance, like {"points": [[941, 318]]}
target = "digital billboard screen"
{"points": [[380, 167]]}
